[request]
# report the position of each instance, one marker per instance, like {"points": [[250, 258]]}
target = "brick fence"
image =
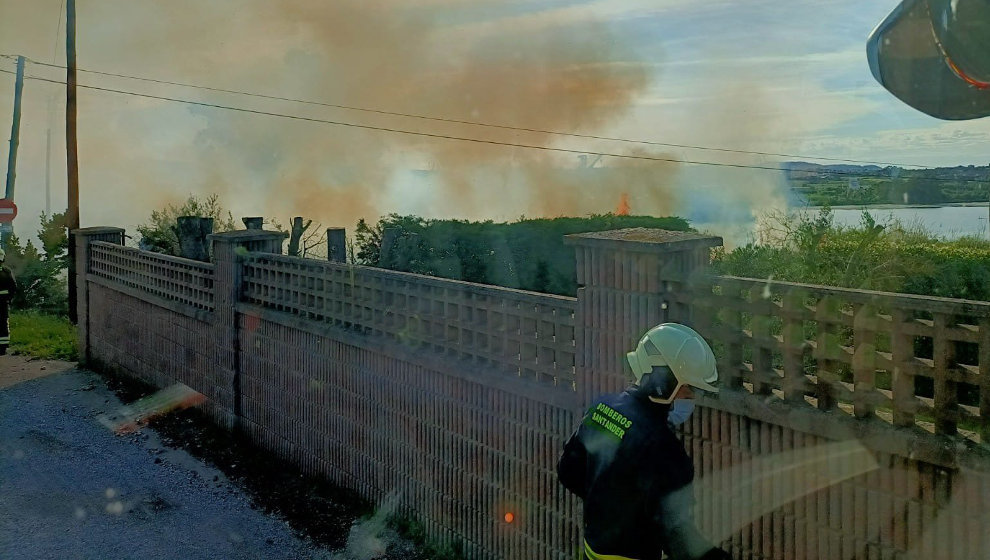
{"points": [[852, 428]]}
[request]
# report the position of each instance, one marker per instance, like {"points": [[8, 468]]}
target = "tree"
{"points": [[41, 275], [528, 254], [159, 234], [296, 236], [368, 242], [54, 239]]}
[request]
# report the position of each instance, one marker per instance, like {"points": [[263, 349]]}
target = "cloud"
{"points": [[573, 13], [947, 143]]}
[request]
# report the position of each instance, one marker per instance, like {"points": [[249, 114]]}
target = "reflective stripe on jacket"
{"points": [[592, 555]]}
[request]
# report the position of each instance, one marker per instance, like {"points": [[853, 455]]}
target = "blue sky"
{"points": [[805, 58], [785, 77]]}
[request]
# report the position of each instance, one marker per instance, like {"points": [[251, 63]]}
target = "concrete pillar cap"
{"points": [[647, 240]]}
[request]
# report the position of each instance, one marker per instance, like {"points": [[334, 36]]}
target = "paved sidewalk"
{"points": [[71, 489]]}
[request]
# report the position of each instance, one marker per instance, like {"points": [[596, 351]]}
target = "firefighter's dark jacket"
{"points": [[7, 283], [635, 478]]}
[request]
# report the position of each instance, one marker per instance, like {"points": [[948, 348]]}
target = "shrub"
{"points": [[159, 233], [886, 257], [527, 254], [41, 275]]}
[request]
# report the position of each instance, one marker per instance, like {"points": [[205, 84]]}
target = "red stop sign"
{"points": [[8, 211]]}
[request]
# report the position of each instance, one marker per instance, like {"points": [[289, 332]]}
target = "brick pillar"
{"points": [[227, 249], [627, 282], [81, 239]]}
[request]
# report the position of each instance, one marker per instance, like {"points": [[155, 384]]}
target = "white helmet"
{"points": [[680, 348]]}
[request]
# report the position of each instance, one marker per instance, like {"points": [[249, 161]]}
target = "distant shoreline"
{"points": [[895, 206]]}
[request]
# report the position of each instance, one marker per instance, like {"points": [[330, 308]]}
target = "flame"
{"points": [[623, 209]]}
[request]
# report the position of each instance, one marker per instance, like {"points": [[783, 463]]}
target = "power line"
{"points": [[58, 26], [445, 136], [482, 124]]}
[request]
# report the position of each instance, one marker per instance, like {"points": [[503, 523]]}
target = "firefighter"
{"points": [[7, 288], [627, 464]]}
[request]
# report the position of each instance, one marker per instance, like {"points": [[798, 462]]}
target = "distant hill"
{"points": [[840, 184], [803, 169], [831, 168]]}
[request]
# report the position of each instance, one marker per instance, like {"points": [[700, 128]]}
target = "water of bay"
{"points": [[949, 222]]}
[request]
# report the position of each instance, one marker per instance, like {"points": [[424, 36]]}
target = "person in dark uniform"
{"points": [[7, 288], [627, 464]]}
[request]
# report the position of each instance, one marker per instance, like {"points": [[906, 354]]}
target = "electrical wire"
{"points": [[445, 136], [482, 124], [58, 27]]}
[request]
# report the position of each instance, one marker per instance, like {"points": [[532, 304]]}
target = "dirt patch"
{"points": [[15, 369]]}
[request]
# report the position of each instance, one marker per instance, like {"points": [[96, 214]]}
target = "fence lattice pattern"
{"points": [[909, 360], [519, 333], [778, 493], [463, 451], [171, 278]]}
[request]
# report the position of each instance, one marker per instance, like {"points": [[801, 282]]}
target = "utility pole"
{"points": [[48, 156], [48, 173], [15, 133], [72, 161]]}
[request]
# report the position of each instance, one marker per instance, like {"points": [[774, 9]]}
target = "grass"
{"points": [[43, 336]]}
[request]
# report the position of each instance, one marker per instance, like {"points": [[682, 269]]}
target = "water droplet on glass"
{"points": [[115, 507]]}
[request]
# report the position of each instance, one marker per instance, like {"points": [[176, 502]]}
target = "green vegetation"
{"points": [[43, 336], [886, 257], [38, 323], [866, 191], [864, 185], [527, 254], [41, 275], [159, 233]]}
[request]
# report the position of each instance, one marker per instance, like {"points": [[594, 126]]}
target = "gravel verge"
{"points": [[71, 488]]}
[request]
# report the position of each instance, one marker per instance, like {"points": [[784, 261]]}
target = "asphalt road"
{"points": [[72, 489]]}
